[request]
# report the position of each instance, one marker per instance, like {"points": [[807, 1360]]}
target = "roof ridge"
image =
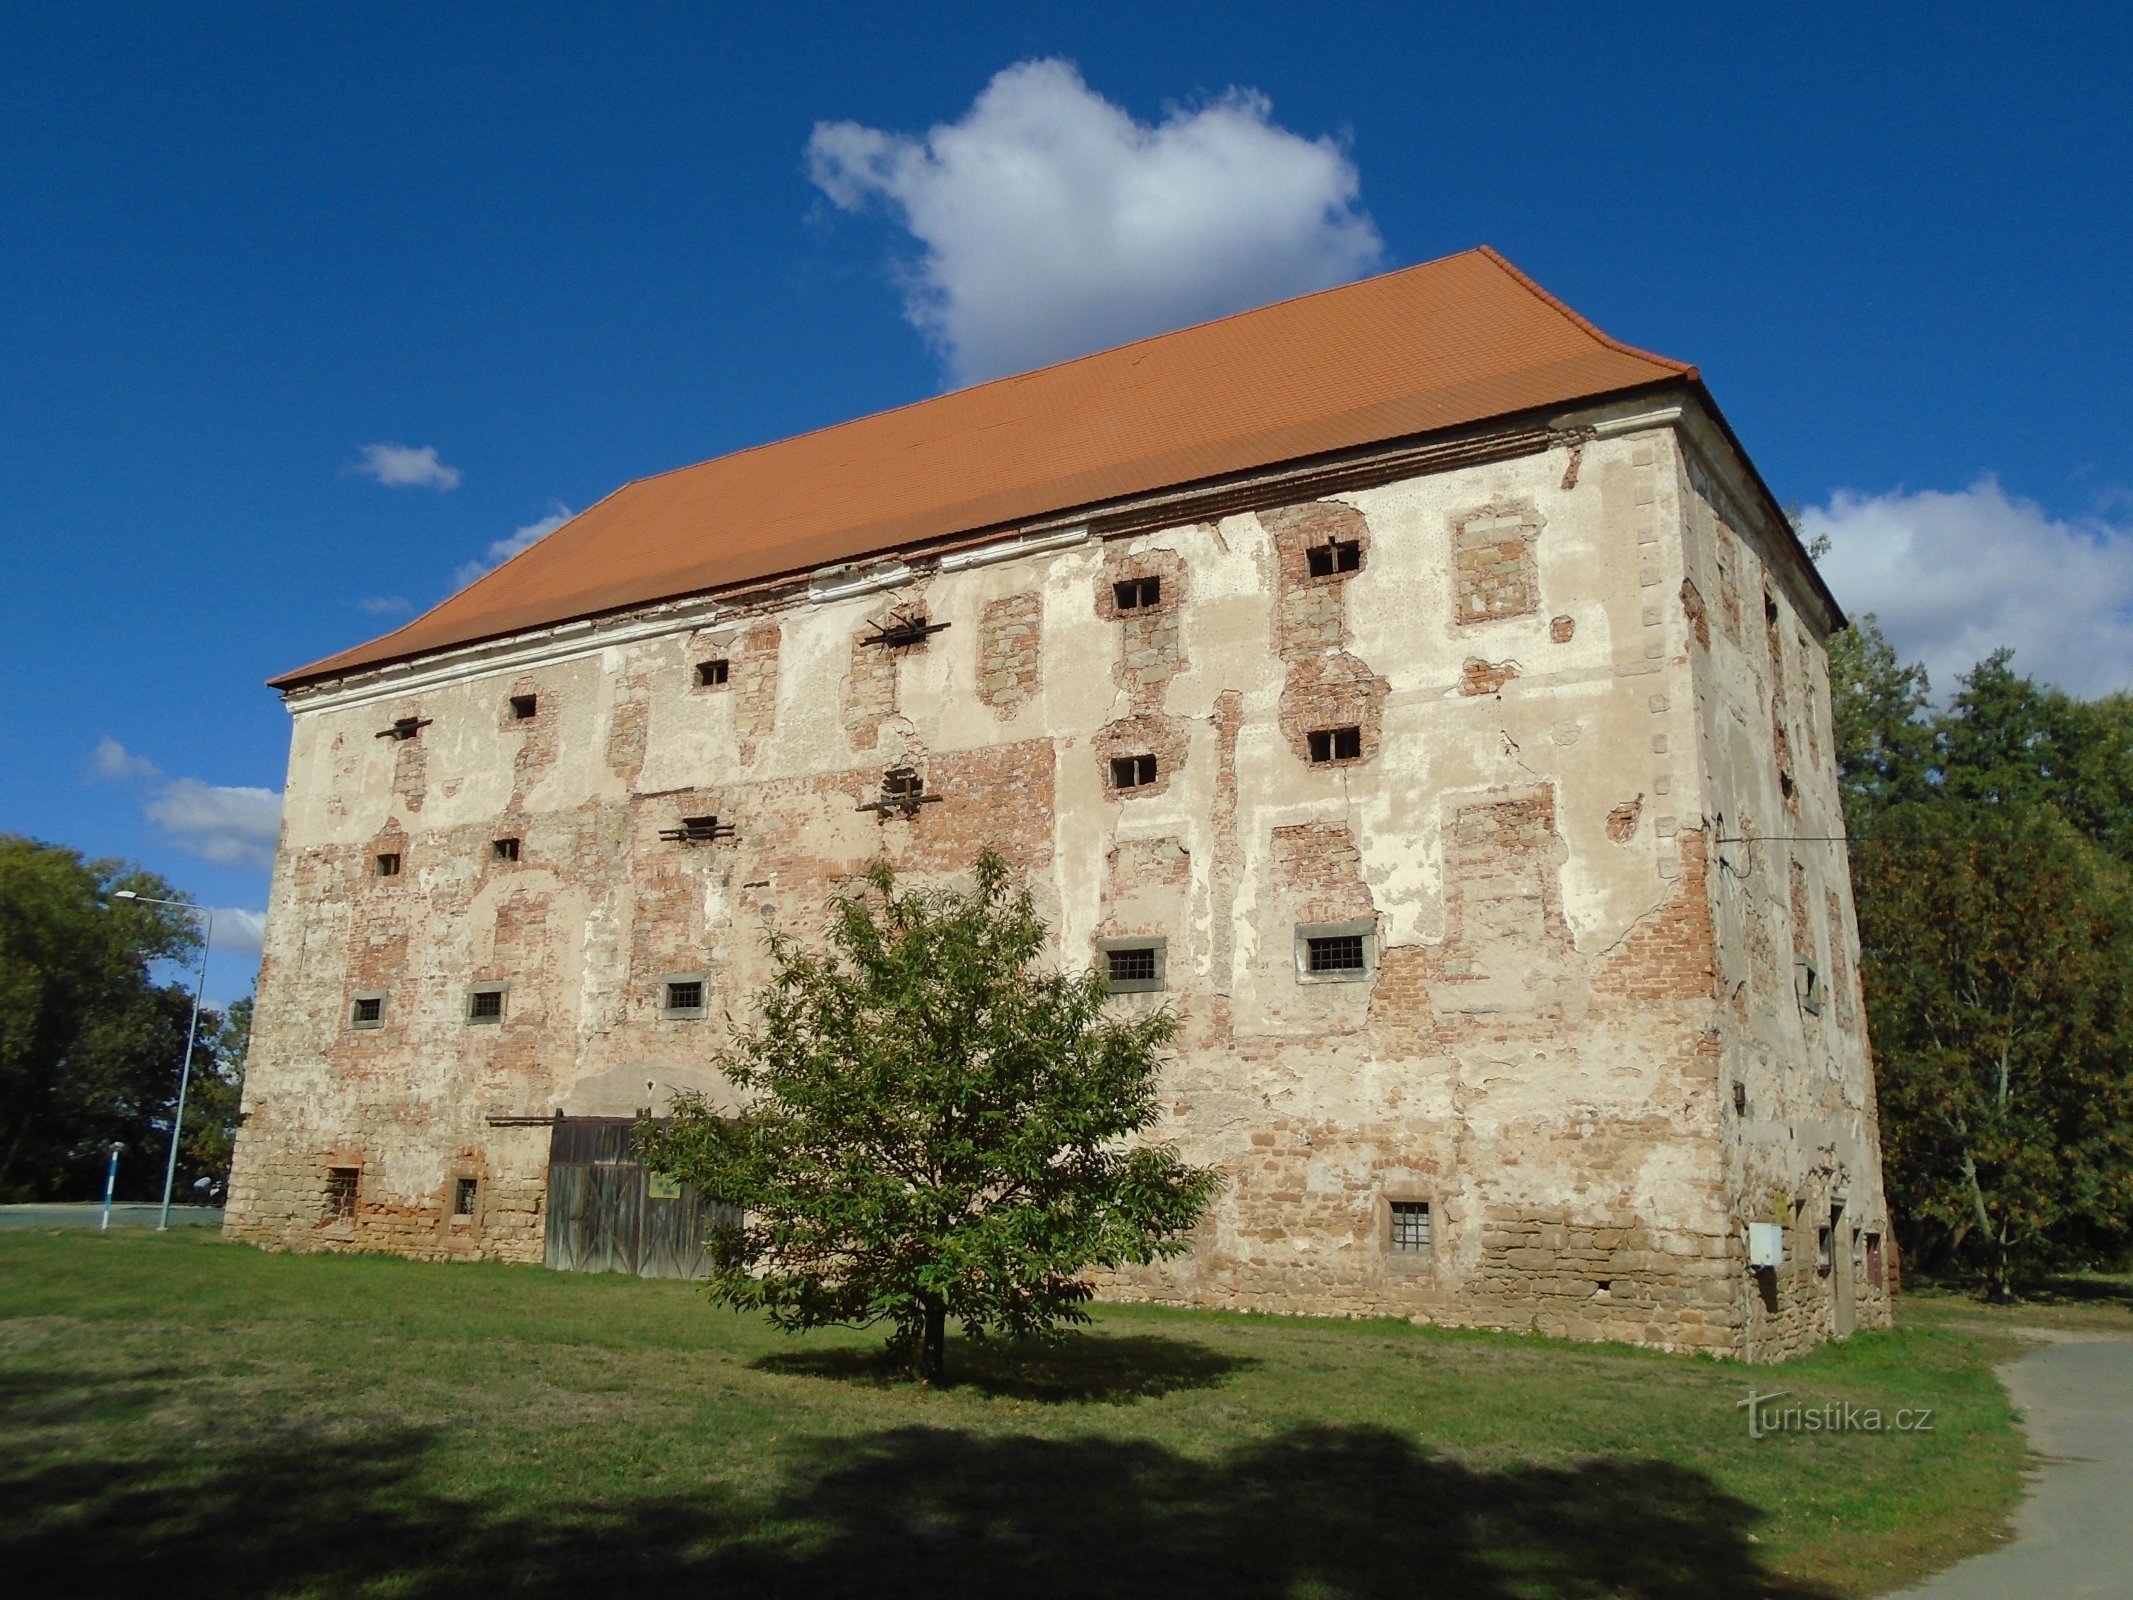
{"points": [[1111, 350], [1587, 324]]}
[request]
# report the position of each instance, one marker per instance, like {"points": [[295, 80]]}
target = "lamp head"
{"points": [[124, 894]]}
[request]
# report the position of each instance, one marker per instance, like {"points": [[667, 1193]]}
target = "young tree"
{"points": [[936, 1126]]}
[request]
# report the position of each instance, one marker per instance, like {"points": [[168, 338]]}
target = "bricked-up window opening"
{"points": [[685, 994], [341, 1186], [503, 849], [367, 1011], [463, 1195], [711, 674], [1138, 594], [698, 830], [404, 728], [1336, 744], [485, 1005], [389, 864], [1132, 772], [524, 706], [1876, 1272], [1336, 555], [1410, 1227], [1341, 952]]}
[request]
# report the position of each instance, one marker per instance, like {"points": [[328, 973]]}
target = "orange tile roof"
{"points": [[1441, 345]]}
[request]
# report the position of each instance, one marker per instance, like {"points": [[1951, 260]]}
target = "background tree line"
{"points": [[91, 1039], [1992, 861]]}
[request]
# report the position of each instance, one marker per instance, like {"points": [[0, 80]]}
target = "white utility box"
{"points": [[1766, 1244]]}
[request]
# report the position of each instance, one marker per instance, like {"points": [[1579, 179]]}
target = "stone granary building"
{"points": [[1413, 686]]}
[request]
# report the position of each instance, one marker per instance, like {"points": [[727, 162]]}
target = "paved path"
{"points": [[126, 1214], [2074, 1533]]}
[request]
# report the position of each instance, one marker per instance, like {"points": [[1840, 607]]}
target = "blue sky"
{"points": [[533, 252]]}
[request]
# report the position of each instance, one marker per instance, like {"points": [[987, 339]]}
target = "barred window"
{"points": [[1336, 744], [1138, 594], [1342, 952], [1132, 772], [1132, 965], [463, 1196], [681, 997], [367, 1011], [1336, 555], [1410, 1227], [486, 1004]]}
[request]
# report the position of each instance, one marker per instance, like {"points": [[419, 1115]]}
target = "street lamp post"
{"points": [[192, 1032]]}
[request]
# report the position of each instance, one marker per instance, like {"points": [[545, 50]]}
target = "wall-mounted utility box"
{"points": [[1766, 1244]]}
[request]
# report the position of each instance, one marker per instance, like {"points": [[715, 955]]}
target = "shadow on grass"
{"points": [[1078, 1368], [1354, 1511]]}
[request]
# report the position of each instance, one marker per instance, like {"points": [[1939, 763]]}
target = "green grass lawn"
{"points": [[182, 1417]]}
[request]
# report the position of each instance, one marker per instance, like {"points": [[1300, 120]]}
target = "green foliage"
{"points": [[1993, 869], [936, 1127], [90, 1043]]}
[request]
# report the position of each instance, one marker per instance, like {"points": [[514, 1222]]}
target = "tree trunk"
{"points": [[933, 1354]]}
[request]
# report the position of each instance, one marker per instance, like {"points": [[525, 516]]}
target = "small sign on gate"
{"points": [[658, 1186]]}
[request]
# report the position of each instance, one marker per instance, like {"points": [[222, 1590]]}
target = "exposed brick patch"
{"points": [[1692, 607], [1672, 953], [870, 683], [754, 680], [629, 722], [1841, 988], [1149, 650], [1310, 613], [411, 762], [1478, 677], [1561, 630], [1223, 870], [1318, 869], [1146, 733], [536, 736], [1622, 821], [1009, 646], [1145, 882], [1494, 572], [1781, 750], [1335, 691]]}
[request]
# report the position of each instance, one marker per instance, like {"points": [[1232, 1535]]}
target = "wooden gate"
{"points": [[606, 1213]]}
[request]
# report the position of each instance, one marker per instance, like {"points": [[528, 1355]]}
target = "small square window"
{"points": [[524, 706], [681, 997], [367, 1011], [1132, 966], [1132, 772], [1336, 952], [1138, 594], [1336, 744], [389, 864], [1338, 555], [1342, 952], [341, 1186], [486, 1004], [1410, 1227], [1825, 1240], [464, 1193], [503, 849], [712, 674]]}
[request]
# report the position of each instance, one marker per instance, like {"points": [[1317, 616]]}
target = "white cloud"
{"points": [[520, 539], [114, 763], [238, 931], [1053, 223], [386, 605], [1955, 576], [230, 825], [400, 466]]}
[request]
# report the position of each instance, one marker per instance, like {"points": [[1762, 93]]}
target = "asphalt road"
{"points": [[126, 1214], [2074, 1533]]}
